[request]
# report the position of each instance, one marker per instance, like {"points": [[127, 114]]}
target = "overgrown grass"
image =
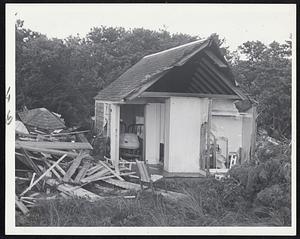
{"points": [[208, 204]]}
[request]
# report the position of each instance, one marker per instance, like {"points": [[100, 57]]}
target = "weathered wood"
{"points": [[21, 206], [114, 135], [217, 60], [42, 176], [55, 145], [82, 138], [123, 184], [169, 94], [73, 191], [253, 133], [33, 176], [221, 76], [94, 169], [112, 171], [31, 164], [69, 133], [121, 174], [170, 195], [50, 151], [53, 170], [95, 176], [58, 167], [74, 166], [82, 172], [208, 135]]}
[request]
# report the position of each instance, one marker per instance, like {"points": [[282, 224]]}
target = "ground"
{"points": [[209, 203]]}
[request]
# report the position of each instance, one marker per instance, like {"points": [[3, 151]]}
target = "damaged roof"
{"points": [[41, 118], [151, 68]]}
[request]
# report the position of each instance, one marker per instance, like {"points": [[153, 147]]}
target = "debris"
{"points": [[56, 162], [21, 206]]}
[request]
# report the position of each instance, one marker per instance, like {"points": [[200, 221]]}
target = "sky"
{"points": [[237, 23]]}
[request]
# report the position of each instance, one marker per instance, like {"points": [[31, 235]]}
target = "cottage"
{"points": [[186, 108]]}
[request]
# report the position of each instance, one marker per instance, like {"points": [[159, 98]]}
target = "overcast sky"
{"points": [[238, 23]]}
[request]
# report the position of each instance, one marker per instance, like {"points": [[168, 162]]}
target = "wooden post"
{"points": [[253, 133], [208, 135], [114, 135]]}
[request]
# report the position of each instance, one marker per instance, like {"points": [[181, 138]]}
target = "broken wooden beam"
{"points": [[73, 190], [112, 171], [50, 151], [21, 205], [43, 175], [82, 172], [55, 145], [74, 166], [82, 138]]}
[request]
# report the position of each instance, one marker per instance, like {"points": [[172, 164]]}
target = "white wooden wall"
{"points": [[184, 116], [152, 132]]}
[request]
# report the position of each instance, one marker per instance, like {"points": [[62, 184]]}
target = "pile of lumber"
{"points": [[59, 168]]}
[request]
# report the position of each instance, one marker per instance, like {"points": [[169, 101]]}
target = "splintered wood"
{"points": [[59, 167]]}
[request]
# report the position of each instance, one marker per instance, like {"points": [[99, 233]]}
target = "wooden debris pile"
{"points": [[49, 164]]}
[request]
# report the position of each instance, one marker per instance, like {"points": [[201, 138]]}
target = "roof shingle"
{"points": [[41, 118]]}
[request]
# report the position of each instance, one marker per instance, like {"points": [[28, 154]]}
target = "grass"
{"points": [[209, 203]]}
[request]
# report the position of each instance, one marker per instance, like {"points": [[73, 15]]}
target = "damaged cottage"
{"points": [[175, 113], [180, 111]]}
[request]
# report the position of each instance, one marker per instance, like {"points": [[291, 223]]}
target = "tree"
{"points": [[265, 74], [65, 75]]}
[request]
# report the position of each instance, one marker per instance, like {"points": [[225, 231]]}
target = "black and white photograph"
{"points": [[150, 119]]}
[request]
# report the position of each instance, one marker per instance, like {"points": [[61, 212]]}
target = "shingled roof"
{"points": [[41, 118], [147, 68], [152, 68]]}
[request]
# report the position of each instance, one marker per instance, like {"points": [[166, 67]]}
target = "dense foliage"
{"points": [[265, 73], [65, 75]]}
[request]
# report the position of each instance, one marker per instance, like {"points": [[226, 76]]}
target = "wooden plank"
{"points": [[74, 166], [94, 169], [31, 181], [109, 176], [21, 206], [32, 165], [114, 173], [50, 151], [21, 159], [123, 184], [215, 59], [58, 167], [204, 80], [169, 94], [55, 145], [253, 133], [210, 80], [43, 175], [73, 190], [69, 133], [82, 172], [82, 138], [208, 135], [221, 76], [95, 176], [114, 135], [53, 170]]}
